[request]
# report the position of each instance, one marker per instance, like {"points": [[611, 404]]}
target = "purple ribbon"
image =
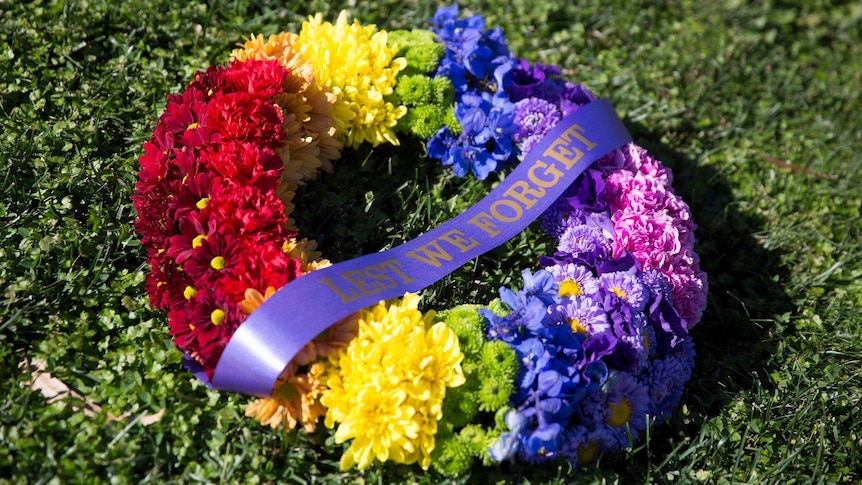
{"points": [[277, 330]]}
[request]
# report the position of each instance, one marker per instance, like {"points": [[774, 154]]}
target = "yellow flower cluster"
{"points": [[386, 388], [360, 69]]}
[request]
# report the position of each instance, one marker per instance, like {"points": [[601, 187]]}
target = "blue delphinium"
{"points": [[555, 376], [601, 349], [478, 63]]}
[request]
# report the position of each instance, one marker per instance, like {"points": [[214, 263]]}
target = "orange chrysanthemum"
{"points": [[307, 110]]}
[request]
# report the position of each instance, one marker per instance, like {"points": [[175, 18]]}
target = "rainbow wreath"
{"points": [[576, 361]]}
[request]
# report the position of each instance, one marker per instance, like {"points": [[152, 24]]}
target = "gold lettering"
{"points": [[344, 297], [575, 130], [559, 151], [485, 222], [394, 265], [549, 170], [508, 203], [358, 279], [520, 191], [457, 239], [431, 254], [375, 273]]}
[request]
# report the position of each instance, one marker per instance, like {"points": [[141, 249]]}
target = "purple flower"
{"points": [[573, 279], [583, 314], [665, 380], [541, 81], [620, 407], [560, 216], [624, 287], [534, 117], [584, 239]]}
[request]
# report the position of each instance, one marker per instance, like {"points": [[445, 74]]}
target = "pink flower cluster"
{"points": [[654, 225]]}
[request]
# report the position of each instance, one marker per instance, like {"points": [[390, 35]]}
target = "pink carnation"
{"points": [[650, 237], [654, 225]]}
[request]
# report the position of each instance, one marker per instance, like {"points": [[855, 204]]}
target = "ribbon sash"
{"points": [[277, 330]]}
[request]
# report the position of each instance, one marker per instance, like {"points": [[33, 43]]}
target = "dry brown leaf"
{"points": [[54, 390]]}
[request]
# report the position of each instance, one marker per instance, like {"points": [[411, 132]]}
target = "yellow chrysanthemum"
{"points": [[386, 388], [360, 69], [306, 106]]}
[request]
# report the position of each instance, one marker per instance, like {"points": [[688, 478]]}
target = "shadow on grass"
{"points": [[738, 333]]}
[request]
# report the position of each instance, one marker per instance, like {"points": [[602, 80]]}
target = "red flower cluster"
{"points": [[207, 207]]}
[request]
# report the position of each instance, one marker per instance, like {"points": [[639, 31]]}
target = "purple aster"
{"points": [[584, 239], [620, 407], [573, 279], [560, 216], [581, 445], [534, 117], [583, 314], [625, 287]]}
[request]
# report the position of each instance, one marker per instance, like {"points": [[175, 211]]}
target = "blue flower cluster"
{"points": [[479, 65], [503, 104], [603, 350]]}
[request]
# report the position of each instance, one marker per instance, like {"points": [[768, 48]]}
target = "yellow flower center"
{"points": [[192, 126], [198, 240], [192, 326], [217, 263], [620, 293], [577, 326], [217, 316], [201, 204], [587, 452], [620, 413], [570, 288], [189, 292]]}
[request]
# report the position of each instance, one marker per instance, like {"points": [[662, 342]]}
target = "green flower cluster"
{"points": [[429, 100], [490, 368]]}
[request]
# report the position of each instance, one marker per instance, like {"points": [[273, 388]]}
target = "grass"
{"points": [[756, 107]]}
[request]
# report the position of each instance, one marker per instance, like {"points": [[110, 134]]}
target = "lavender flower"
{"points": [[620, 408], [534, 117]]}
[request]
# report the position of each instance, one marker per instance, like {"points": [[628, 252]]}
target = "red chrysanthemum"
{"points": [[207, 206], [260, 78], [245, 164], [247, 209], [242, 116]]}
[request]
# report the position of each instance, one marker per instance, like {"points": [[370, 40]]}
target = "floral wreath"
{"points": [[577, 361]]}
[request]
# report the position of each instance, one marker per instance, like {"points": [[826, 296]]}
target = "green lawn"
{"points": [[755, 106]]}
